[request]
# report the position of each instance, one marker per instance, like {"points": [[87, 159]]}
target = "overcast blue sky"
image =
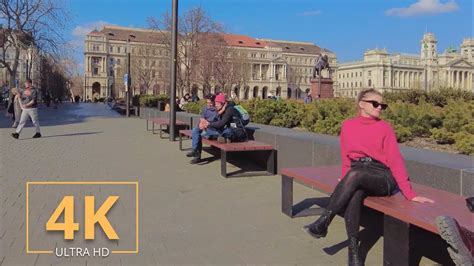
{"points": [[347, 27]]}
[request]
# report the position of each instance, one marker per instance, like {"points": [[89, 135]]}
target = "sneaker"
{"points": [[195, 160], [37, 135], [14, 125], [15, 135], [460, 240]]}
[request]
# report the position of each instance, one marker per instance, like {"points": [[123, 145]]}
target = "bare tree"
{"points": [[143, 68], [192, 26], [26, 23]]}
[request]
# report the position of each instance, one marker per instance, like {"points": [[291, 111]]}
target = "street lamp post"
{"points": [[174, 41], [129, 78]]}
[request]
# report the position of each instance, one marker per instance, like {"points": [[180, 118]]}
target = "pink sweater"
{"points": [[375, 138]]}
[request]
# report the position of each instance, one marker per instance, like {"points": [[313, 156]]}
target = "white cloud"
{"points": [[424, 7], [82, 30], [310, 13]]}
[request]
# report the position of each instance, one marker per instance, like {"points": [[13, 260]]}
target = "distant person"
{"points": [[29, 102], [16, 106], [194, 97], [308, 98], [184, 100], [209, 113], [47, 98], [371, 166]]}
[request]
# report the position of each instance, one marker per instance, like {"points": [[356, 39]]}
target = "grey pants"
{"points": [[29, 112]]}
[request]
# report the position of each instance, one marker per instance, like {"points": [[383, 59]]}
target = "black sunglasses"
{"points": [[376, 104]]}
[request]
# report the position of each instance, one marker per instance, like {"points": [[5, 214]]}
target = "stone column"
{"points": [[260, 72]]}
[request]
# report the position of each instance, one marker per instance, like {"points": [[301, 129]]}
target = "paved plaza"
{"points": [[189, 214]]}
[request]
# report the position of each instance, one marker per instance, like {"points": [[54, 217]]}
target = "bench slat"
{"points": [[423, 215]]}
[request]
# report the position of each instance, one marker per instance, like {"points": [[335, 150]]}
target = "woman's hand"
{"points": [[422, 200]]}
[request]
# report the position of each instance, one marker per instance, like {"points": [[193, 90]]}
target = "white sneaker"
{"points": [[14, 125]]}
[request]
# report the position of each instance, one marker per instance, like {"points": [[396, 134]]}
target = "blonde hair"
{"points": [[363, 93], [14, 90]]}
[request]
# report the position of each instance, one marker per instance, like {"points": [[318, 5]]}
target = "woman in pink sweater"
{"points": [[371, 166]]}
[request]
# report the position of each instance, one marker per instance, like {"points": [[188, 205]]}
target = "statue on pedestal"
{"points": [[321, 64]]}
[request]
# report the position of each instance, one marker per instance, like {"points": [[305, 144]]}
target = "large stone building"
{"points": [[281, 68], [28, 63], [427, 70]]}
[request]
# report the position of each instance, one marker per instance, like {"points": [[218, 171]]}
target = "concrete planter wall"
{"points": [[450, 172]]}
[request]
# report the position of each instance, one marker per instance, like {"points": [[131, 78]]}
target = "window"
{"points": [[370, 83], [118, 49], [95, 71], [369, 73], [352, 75], [111, 49], [95, 60], [118, 61]]}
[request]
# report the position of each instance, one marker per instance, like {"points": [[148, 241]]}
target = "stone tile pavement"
{"points": [[189, 214]]}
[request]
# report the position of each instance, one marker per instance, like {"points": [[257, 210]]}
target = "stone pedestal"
{"points": [[326, 90]]}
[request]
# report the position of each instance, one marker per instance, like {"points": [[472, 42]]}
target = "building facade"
{"points": [[390, 72], [28, 64], [275, 68]]}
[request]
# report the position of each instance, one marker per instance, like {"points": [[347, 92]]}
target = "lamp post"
{"points": [[129, 78], [174, 41]]}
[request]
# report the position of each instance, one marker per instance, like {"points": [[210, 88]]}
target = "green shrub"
{"points": [[439, 97], [442, 136], [152, 100], [195, 107], [326, 116], [419, 118], [403, 133], [464, 142]]}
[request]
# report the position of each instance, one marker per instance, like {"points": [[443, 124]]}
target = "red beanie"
{"points": [[220, 98]]}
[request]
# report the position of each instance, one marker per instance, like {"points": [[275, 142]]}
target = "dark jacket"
{"points": [[226, 118]]}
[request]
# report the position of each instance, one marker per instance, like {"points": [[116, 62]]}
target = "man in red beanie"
{"points": [[227, 128]]}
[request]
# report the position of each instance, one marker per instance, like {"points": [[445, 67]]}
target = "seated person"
{"points": [[209, 113], [227, 128]]}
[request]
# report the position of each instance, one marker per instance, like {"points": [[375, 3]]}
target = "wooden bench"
{"points": [[164, 124], [225, 148], [409, 228]]}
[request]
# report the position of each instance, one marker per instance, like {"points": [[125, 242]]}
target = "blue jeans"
{"points": [[209, 133]]}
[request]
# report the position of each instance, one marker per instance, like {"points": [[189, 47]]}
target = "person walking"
{"points": [[28, 102], [371, 166]]}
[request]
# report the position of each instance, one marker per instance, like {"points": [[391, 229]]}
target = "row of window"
{"points": [[354, 74], [355, 84]]}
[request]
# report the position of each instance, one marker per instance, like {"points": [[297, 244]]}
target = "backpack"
{"points": [[244, 115]]}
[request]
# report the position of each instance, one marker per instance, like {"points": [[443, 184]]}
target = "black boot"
{"points": [[354, 257], [320, 227]]}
